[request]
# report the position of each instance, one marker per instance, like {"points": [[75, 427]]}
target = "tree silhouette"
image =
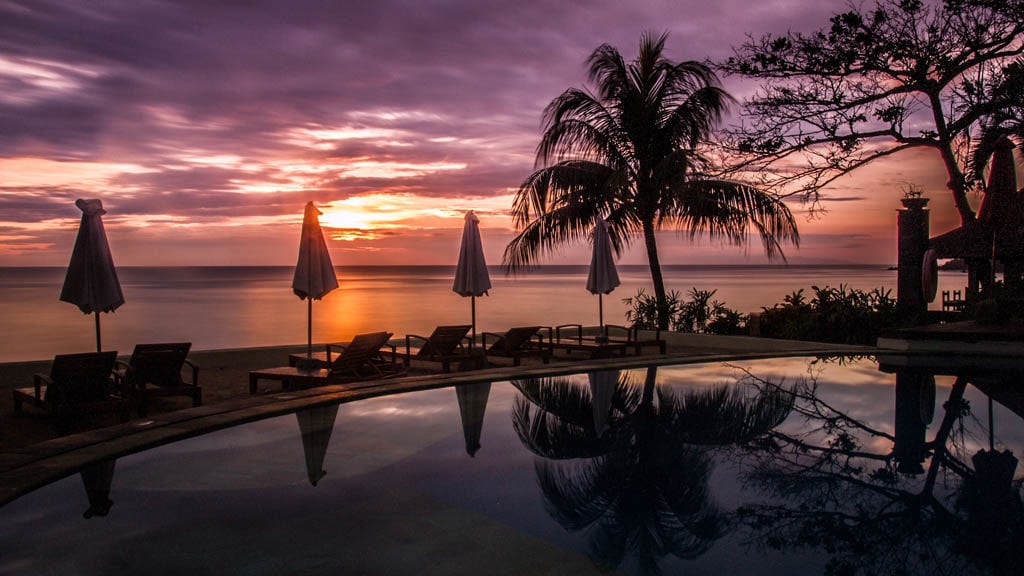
{"points": [[829, 486], [881, 79], [641, 487], [629, 154]]}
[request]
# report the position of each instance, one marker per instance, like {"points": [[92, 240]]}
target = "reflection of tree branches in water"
{"points": [[828, 490], [641, 486]]}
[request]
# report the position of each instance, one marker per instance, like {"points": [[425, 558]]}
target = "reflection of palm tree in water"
{"points": [[641, 486]]}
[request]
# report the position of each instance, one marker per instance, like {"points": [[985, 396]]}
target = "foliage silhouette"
{"points": [[883, 78], [629, 153], [641, 487]]}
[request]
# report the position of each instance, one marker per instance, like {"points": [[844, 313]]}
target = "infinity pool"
{"points": [[784, 466]]}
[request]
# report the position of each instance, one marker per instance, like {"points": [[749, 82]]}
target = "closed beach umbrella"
{"points": [[603, 277], [314, 272], [1002, 209], [472, 405], [91, 281], [471, 277], [316, 425]]}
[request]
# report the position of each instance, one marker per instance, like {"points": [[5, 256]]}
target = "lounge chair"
{"points": [[155, 370], [632, 336], [518, 343], [77, 385], [358, 360], [570, 338], [445, 344]]}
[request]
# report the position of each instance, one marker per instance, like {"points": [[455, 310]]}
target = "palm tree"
{"points": [[628, 154]]}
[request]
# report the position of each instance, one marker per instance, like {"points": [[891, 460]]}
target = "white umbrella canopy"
{"points": [[91, 282], [603, 276], [471, 277], [314, 272]]}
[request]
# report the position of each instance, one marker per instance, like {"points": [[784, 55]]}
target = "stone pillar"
{"points": [[912, 244]]}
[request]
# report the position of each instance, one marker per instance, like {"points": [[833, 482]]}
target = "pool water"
{"points": [[784, 466]]}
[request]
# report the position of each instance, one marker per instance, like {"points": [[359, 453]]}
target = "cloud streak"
{"points": [[207, 116]]}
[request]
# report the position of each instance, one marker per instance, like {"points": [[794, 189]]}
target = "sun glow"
{"points": [[366, 216]]}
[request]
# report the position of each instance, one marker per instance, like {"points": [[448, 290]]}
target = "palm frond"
{"points": [[547, 436], [723, 415], [725, 210]]}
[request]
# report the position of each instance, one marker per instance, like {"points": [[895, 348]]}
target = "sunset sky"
{"points": [[206, 126]]}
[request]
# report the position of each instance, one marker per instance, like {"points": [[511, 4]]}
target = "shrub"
{"points": [[840, 315], [699, 314], [643, 312]]}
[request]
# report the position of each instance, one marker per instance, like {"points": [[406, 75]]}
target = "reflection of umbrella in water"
{"points": [[97, 479], [602, 390], [314, 272], [472, 405], [316, 425], [603, 277], [91, 281], [471, 277]]}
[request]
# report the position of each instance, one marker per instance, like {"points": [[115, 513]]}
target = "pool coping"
{"points": [[25, 469]]}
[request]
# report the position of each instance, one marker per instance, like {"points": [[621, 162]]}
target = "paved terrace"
{"points": [[32, 455]]}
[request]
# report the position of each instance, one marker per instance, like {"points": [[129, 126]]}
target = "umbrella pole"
{"points": [[600, 313], [472, 304], [309, 327], [98, 347]]}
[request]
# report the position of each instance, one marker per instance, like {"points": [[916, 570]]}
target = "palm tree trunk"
{"points": [[650, 379], [656, 278]]}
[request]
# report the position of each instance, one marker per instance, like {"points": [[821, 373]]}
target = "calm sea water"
{"points": [[234, 307]]}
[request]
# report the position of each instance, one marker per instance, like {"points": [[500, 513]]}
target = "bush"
{"points": [[840, 315], [643, 312], [699, 314]]}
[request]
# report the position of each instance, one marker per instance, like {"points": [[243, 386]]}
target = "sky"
{"points": [[205, 127]]}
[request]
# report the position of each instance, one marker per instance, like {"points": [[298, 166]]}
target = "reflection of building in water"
{"points": [[97, 479], [995, 514], [915, 407]]}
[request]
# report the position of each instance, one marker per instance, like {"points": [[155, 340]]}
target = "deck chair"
{"points": [[77, 385], [443, 345], [518, 343], [360, 359], [155, 370], [632, 336]]}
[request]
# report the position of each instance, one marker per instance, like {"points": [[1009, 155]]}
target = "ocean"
{"points": [[237, 307]]}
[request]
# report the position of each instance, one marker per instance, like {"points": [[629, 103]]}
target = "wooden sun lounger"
{"points": [[518, 343], [357, 361], [77, 385], [446, 344], [631, 336], [156, 370]]}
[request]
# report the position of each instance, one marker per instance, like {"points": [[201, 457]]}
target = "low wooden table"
{"points": [[289, 376], [597, 349]]}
